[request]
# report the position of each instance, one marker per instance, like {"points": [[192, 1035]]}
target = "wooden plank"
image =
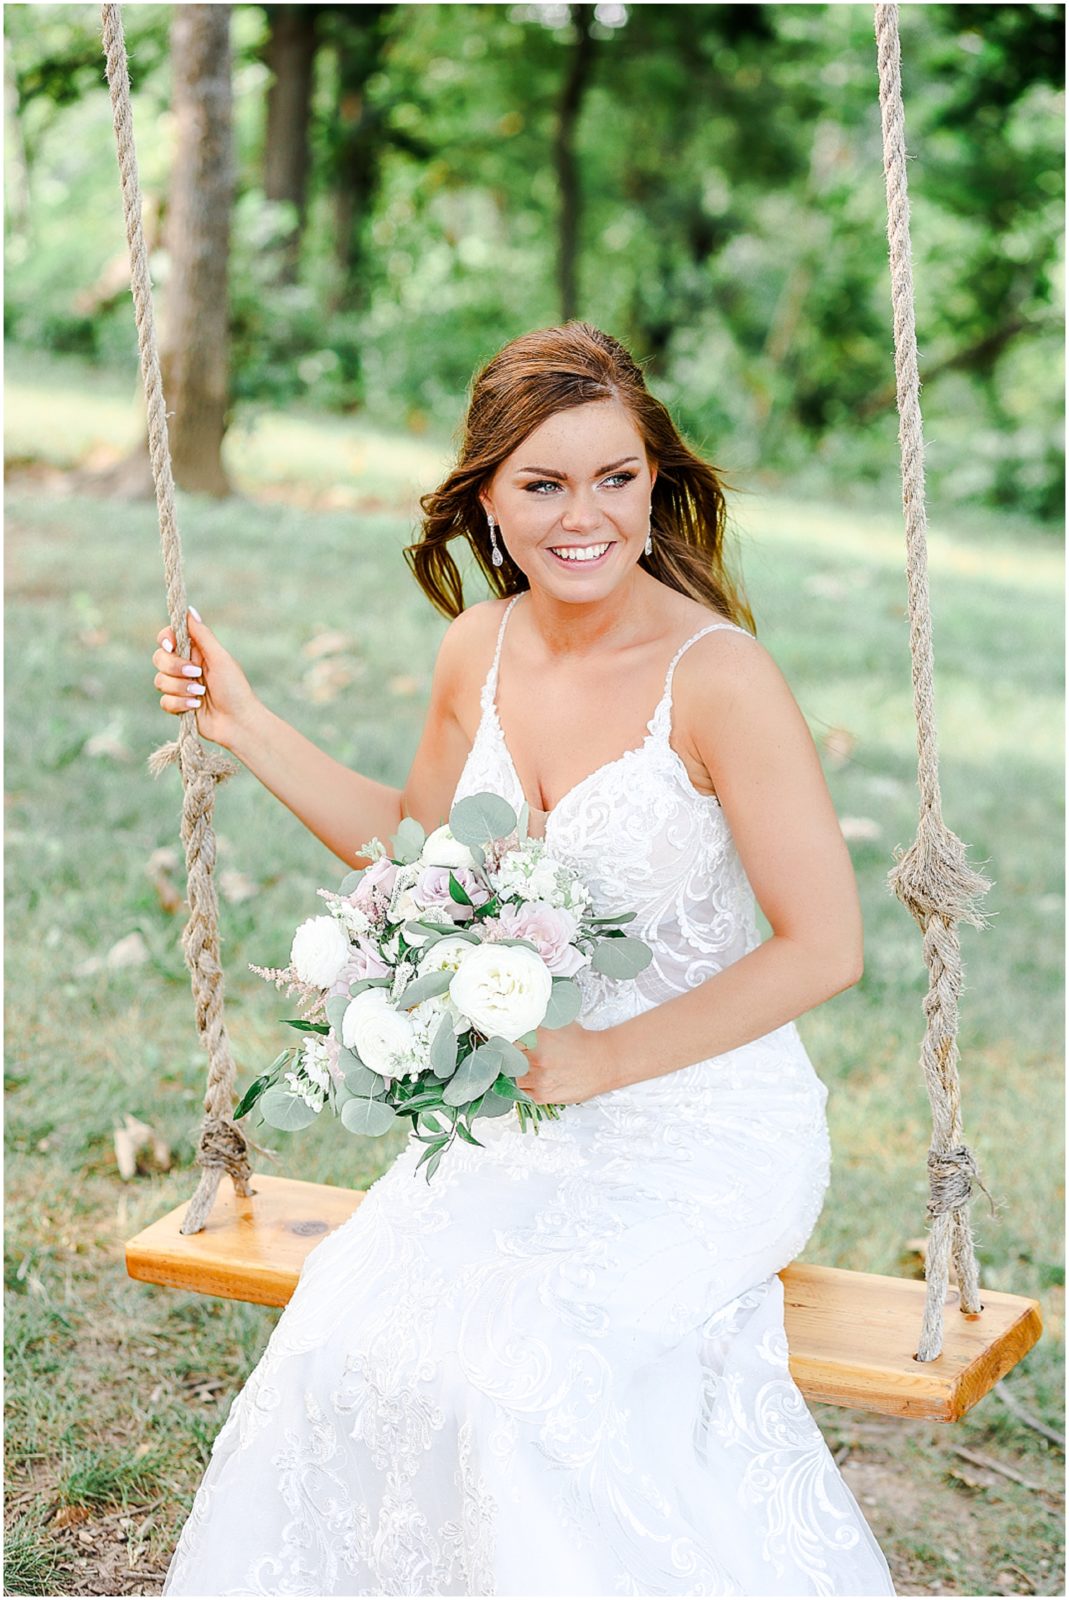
{"points": [[249, 1249], [852, 1335], [853, 1339]]}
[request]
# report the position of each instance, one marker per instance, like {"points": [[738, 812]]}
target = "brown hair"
{"points": [[532, 378]]}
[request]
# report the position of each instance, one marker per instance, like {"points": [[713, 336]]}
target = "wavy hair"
{"points": [[532, 378]]}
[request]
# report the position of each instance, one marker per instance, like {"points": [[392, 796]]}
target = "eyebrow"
{"points": [[551, 472]]}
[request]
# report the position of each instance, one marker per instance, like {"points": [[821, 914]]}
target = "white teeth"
{"points": [[590, 554]]}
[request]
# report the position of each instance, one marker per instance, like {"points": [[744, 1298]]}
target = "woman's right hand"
{"points": [[223, 699]]}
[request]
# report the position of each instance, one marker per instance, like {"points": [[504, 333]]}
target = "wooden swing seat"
{"points": [[851, 1334]]}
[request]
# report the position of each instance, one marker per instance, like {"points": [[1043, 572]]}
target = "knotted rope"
{"points": [[222, 1144], [933, 877]]}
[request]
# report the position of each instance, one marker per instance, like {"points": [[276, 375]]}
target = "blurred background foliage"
{"points": [[416, 184]]}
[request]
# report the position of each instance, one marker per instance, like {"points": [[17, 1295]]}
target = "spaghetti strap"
{"points": [[490, 683], [709, 628]]}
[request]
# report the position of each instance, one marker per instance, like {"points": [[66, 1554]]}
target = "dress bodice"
{"points": [[644, 839]]}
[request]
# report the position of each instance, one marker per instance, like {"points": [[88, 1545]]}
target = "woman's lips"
{"points": [[583, 566]]}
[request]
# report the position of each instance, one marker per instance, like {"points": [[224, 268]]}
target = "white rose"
{"points": [[377, 1032], [503, 989], [440, 849], [319, 951]]}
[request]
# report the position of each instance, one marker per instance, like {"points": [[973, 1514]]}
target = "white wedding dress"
{"points": [[560, 1368]]}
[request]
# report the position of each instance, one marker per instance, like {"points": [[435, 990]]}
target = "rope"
{"points": [[933, 878], [222, 1144]]}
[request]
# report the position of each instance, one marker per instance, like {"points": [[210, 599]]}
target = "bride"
{"points": [[559, 1368]]}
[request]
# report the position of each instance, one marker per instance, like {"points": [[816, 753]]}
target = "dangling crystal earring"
{"points": [[497, 558], [649, 537]]}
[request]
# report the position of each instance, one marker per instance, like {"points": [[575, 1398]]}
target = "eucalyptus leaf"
{"points": [[565, 1004], [529, 1040], [513, 1061], [473, 1076], [621, 958], [360, 1079], [443, 1051], [495, 1105], [409, 840], [364, 1115], [350, 881], [359, 984], [452, 929], [424, 988], [337, 1006], [617, 916], [285, 1111], [480, 818]]}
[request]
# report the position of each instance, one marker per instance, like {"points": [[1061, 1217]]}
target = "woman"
{"points": [[560, 1367]]}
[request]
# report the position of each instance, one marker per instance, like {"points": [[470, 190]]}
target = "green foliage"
{"points": [[732, 225]]}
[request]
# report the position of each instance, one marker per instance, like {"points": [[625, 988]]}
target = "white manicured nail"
{"points": [[167, 645], [196, 613]]}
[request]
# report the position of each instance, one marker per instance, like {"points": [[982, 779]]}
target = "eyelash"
{"points": [[538, 482]]}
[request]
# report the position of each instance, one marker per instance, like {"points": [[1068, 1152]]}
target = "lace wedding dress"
{"points": [[560, 1367]]}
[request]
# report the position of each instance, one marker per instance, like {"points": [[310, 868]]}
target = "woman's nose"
{"points": [[580, 513]]}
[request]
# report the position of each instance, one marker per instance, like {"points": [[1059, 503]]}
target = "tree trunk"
{"points": [[194, 334], [571, 101], [360, 35], [290, 55], [194, 343]]}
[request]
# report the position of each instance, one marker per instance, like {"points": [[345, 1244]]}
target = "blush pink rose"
{"points": [[431, 891], [372, 893], [550, 929], [364, 962]]}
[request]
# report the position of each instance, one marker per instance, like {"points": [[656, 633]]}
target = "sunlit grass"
{"points": [[98, 1365]]}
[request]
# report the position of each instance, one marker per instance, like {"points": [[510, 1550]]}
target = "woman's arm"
{"points": [[749, 731], [345, 809], [341, 807]]}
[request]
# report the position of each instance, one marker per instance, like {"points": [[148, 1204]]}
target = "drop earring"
{"points": [[497, 558], [649, 537]]}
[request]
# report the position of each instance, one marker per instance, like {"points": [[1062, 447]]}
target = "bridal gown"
{"points": [[560, 1367]]}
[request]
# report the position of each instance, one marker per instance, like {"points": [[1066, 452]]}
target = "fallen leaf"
{"points": [[860, 828], [325, 680], [69, 1517], [839, 745], [235, 886], [132, 951], [108, 742], [329, 642]]}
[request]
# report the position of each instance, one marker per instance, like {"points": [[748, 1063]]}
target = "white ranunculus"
{"points": [[440, 849], [377, 1032], [502, 989], [445, 953], [319, 951]]}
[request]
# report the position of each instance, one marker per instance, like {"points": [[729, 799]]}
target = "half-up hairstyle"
{"points": [[528, 380]]}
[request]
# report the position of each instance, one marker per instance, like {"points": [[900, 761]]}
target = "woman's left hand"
{"points": [[567, 1065]]}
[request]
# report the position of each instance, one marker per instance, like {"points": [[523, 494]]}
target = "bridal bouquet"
{"points": [[429, 969]]}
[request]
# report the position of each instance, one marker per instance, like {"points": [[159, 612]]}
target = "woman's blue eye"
{"points": [[541, 483]]}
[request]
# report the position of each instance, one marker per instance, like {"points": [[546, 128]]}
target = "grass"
{"points": [[115, 1389]]}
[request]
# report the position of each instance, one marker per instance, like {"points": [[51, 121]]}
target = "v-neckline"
{"points": [[615, 761]]}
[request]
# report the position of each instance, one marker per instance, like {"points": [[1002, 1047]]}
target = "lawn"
{"points": [[115, 1389]]}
